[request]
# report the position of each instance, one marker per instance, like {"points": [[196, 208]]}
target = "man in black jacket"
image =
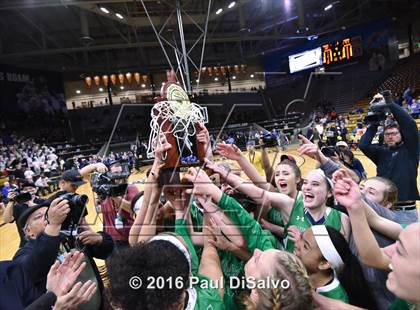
{"points": [[397, 159], [44, 241]]}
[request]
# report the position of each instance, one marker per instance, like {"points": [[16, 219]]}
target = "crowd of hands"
{"points": [[61, 279]]}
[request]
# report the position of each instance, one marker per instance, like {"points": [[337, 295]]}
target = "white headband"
{"points": [[326, 246], [137, 205], [322, 173], [174, 240]]}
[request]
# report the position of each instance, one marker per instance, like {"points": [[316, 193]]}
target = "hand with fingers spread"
{"points": [[100, 167], [230, 151], [62, 276], [78, 295]]}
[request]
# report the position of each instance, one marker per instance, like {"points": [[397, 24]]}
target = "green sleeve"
{"points": [[182, 230], [255, 236]]}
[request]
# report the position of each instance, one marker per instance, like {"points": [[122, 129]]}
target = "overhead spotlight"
{"points": [[104, 9], [121, 87], [119, 15], [216, 79], [78, 91], [252, 76], [163, 83], [143, 85], [232, 4], [101, 89], [328, 7], [219, 11], [234, 77], [197, 80]]}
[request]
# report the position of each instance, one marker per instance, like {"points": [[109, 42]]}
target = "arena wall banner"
{"points": [[24, 91]]}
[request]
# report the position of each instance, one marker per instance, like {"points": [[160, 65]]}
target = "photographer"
{"points": [[43, 226], [19, 200], [117, 213], [398, 158]]}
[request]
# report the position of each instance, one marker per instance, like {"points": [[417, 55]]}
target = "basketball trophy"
{"points": [[178, 119]]}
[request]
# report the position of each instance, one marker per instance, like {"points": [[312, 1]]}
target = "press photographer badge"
{"points": [[119, 224]]}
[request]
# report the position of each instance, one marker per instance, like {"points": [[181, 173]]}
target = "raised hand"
{"points": [[203, 136], [294, 234], [89, 237], [230, 151], [219, 240], [58, 211], [309, 149], [347, 191], [78, 295], [101, 168], [201, 181], [162, 146], [61, 277], [216, 168]]}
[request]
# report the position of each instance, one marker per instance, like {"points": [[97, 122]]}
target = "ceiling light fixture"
{"points": [[219, 11], [101, 89], [252, 76], [234, 77], [329, 6], [121, 87], [104, 9], [143, 85], [119, 15], [232, 4], [78, 91], [216, 79]]}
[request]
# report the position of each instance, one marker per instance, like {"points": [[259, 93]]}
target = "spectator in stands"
{"points": [[42, 183], [398, 159], [29, 174], [5, 189]]}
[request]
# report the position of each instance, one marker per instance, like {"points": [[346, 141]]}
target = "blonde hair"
{"points": [[298, 296]]}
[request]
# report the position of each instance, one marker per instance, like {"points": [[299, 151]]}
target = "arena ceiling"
{"points": [[77, 36]]}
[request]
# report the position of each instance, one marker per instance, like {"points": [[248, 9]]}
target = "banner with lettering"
{"points": [[25, 91]]}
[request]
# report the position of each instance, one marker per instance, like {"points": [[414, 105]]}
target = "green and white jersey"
{"points": [[256, 238], [333, 290], [274, 215], [200, 297], [301, 218]]}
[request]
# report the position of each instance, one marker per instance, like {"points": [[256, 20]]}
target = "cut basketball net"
{"points": [[180, 113]]}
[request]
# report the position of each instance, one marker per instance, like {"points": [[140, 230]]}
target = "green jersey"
{"points": [[256, 238], [333, 290], [274, 215], [201, 296], [301, 218]]}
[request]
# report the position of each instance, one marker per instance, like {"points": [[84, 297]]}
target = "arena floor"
{"points": [[9, 238]]}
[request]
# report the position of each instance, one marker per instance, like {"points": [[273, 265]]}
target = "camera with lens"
{"points": [[378, 108], [269, 140], [111, 184], [21, 197], [77, 204]]}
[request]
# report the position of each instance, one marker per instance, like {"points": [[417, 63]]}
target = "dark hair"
{"points": [[247, 203], [351, 275], [154, 259]]}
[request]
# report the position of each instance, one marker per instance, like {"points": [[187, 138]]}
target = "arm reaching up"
{"points": [[232, 152], [348, 194]]}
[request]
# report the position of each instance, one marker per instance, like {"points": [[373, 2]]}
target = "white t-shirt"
{"points": [[29, 174]]}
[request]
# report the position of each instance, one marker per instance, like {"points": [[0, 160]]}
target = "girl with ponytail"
{"points": [[333, 270]]}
